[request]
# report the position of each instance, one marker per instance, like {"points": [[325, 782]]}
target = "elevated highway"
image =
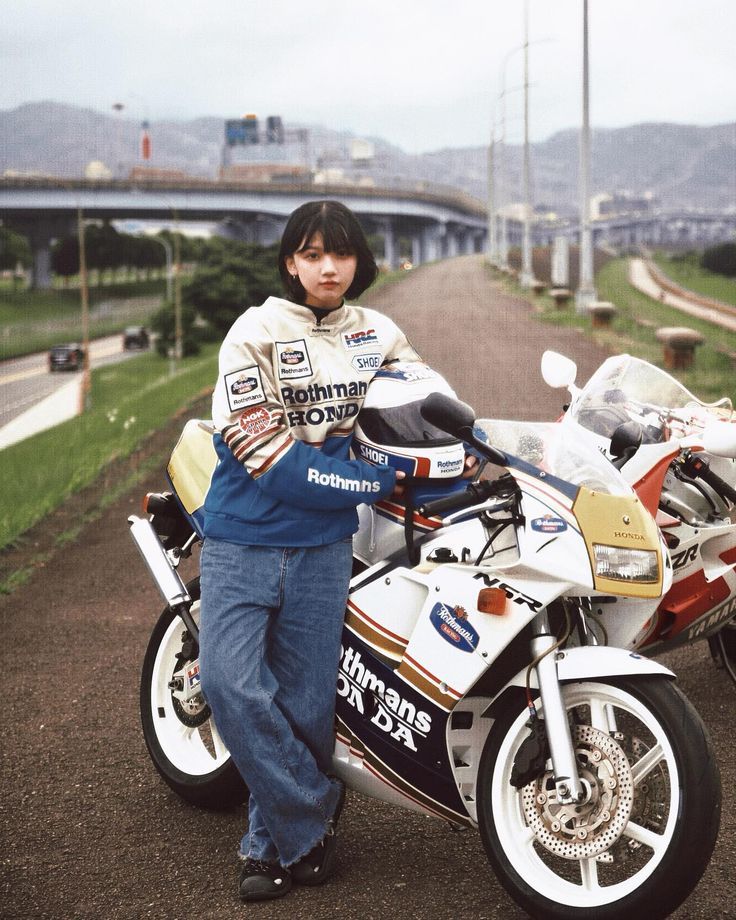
{"points": [[439, 222]]}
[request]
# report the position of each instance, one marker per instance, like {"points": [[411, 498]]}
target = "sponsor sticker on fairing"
{"points": [[293, 360], [453, 625], [244, 388], [549, 524]]}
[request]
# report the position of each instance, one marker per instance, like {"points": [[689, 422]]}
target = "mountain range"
{"points": [[684, 166]]}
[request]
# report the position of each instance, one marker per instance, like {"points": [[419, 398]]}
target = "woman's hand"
{"points": [[399, 487], [471, 461]]}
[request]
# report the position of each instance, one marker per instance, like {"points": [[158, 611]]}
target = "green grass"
{"points": [[35, 320], [129, 401], [712, 374], [686, 272]]}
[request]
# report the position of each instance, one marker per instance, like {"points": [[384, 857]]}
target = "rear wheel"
{"points": [[181, 736], [642, 838]]}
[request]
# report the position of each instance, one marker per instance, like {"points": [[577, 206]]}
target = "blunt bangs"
{"points": [[340, 231]]}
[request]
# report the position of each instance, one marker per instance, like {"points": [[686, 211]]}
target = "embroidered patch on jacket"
{"points": [[256, 420], [293, 360], [369, 363], [244, 388], [358, 339]]}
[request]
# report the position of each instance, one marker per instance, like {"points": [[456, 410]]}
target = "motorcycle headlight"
{"points": [[622, 564]]}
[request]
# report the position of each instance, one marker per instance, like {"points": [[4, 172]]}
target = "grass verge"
{"points": [[634, 326], [686, 272], [130, 401], [33, 321]]}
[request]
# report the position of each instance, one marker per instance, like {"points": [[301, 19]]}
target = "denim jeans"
{"points": [[270, 629]]}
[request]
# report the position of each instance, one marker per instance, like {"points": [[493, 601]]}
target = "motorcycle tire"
{"points": [[641, 842], [182, 738]]}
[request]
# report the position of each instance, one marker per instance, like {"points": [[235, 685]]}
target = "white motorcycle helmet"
{"points": [[390, 429]]}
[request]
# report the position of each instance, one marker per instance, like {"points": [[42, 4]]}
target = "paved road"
{"points": [[24, 382], [88, 830], [640, 277]]}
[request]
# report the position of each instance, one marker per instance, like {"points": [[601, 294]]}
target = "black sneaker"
{"points": [[319, 863], [260, 880]]}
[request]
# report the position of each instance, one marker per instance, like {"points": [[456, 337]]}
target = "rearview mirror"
{"points": [[557, 370], [720, 439], [447, 414]]}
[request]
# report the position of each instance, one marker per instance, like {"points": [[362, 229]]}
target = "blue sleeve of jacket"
{"points": [[309, 478]]}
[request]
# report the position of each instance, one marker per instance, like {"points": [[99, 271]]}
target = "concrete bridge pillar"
{"points": [[390, 244], [431, 242], [453, 244], [41, 234]]}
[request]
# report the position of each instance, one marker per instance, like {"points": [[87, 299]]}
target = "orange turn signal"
{"points": [[492, 600]]}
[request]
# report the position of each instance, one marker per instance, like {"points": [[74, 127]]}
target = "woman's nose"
{"points": [[328, 264]]}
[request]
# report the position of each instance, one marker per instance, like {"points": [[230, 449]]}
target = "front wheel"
{"points": [[181, 735], [640, 841]]}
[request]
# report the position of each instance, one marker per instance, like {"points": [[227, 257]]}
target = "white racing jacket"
{"points": [[287, 395]]}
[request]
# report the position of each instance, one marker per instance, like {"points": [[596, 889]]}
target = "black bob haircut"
{"points": [[340, 231]]}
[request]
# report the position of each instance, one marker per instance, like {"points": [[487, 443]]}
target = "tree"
{"points": [[14, 249], [65, 257], [721, 259], [230, 277], [163, 322]]}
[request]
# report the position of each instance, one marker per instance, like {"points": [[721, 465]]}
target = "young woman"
{"points": [[280, 515]]}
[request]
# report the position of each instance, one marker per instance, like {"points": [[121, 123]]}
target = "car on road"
{"points": [[135, 337], [68, 357]]}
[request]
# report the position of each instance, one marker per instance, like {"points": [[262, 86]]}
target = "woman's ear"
{"points": [[291, 266]]}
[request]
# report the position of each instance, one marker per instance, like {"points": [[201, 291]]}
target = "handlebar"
{"points": [[475, 493], [698, 468]]}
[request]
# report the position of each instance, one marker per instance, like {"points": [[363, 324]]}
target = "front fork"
{"points": [[564, 764]]}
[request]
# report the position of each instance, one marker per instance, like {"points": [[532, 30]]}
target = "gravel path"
{"points": [[87, 830]]}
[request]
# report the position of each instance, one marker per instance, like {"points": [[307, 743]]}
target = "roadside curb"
{"points": [[60, 406]]}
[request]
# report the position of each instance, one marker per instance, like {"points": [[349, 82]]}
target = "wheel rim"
{"points": [[594, 871], [191, 744]]}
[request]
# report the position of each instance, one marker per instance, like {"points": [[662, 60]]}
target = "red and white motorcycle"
{"points": [[679, 455], [473, 683]]}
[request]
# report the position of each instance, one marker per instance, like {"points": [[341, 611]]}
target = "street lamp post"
{"points": [[169, 265], [492, 224], [586, 293], [526, 278]]}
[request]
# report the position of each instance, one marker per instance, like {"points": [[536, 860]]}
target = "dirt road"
{"points": [[87, 830]]}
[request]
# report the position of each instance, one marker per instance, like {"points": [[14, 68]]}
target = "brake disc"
{"points": [[586, 830]]}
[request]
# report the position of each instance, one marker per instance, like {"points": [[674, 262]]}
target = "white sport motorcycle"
{"points": [[474, 684], [679, 455]]}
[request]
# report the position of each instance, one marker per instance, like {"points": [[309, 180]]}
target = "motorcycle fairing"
{"points": [[389, 729], [703, 594], [190, 469]]}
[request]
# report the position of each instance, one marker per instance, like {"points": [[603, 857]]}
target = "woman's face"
{"points": [[325, 276]]}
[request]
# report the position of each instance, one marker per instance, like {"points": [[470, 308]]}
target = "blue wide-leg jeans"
{"points": [[270, 628]]}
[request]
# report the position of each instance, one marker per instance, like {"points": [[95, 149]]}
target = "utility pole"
{"points": [[526, 279], [178, 344], [586, 293], [85, 394]]}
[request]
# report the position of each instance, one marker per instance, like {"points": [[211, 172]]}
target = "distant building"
{"points": [[157, 174], [263, 172], [620, 203], [96, 169]]}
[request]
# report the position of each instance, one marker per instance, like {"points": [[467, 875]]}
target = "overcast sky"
{"points": [[423, 74]]}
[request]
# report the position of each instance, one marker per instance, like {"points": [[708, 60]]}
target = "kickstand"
{"points": [[720, 655]]}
